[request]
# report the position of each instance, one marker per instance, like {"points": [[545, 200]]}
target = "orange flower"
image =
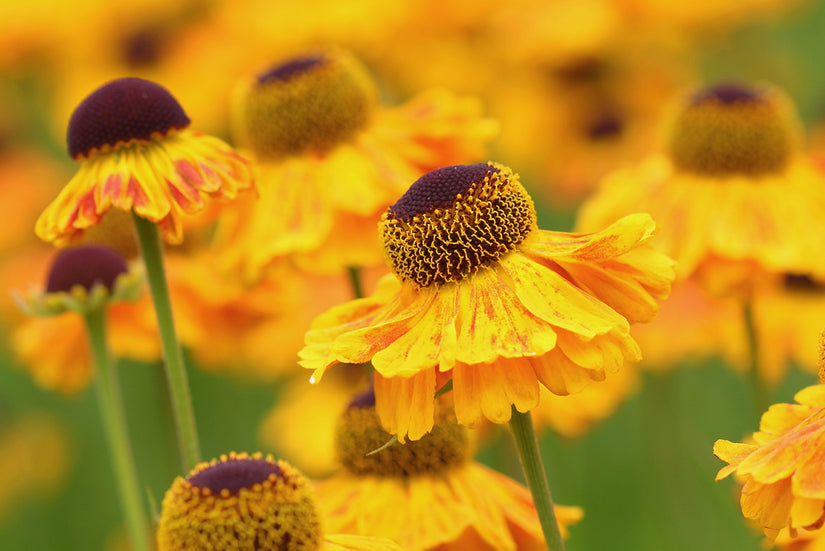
{"points": [[137, 154], [782, 468], [736, 197], [486, 299]]}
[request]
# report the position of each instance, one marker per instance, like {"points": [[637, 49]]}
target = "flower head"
{"points": [[454, 221], [331, 159], [131, 137], [730, 129], [736, 198], [781, 469], [426, 494], [243, 502], [309, 103], [82, 279], [485, 298]]}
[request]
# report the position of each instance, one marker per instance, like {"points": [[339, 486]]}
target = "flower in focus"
{"points": [[53, 345], [330, 159], [428, 494], [483, 297], [137, 154], [782, 469], [735, 195], [243, 502]]}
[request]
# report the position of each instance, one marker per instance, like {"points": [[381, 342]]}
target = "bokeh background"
{"points": [[578, 88]]}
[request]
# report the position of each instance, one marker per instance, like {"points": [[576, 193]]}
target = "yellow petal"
{"points": [[496, 325]]}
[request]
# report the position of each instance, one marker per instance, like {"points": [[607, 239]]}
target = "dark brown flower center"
{"points": [[454, 220], [234, 474], [731, 129], [121, 111], [85, 266]]}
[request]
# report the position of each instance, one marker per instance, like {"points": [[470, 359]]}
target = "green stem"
{"points": [[107, 389], [182, 411], [761, 395], [528, 450], [355, 281]]}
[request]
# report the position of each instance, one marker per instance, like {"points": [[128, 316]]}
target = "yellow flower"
{"points": [[428, 494], [734, 194], [330, 160], [485, 298], [782, 468], [137, 154], [243, 502]]}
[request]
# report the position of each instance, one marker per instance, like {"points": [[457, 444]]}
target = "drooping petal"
{"points": [[405, 404]]}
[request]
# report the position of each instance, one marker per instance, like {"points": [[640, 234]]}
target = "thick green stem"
{"points": [[533, 467], [107, 389], [761, 394], [182, 411]]}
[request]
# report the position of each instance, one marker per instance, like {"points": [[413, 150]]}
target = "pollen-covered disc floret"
{"points": [[359, 432], [121, 111], [308, 103], [240, 502], [731, 129], [455, 220]]}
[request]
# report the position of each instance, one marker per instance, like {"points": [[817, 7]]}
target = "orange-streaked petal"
{"points": [[406, 405], [495, 324], [489, 390]]}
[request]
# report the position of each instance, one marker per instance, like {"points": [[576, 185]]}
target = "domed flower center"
{"points": [[85, 266], [234, 474], [240, 502], [731, 129], [308, 104], [359, 432], [121, 111], [454, 220]]}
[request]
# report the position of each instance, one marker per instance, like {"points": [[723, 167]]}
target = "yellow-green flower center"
{"points": [[734, 129], [307, 104], [359, 432], [455, 220], [240, 502]]}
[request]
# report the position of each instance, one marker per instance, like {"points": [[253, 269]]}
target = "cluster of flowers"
{"points": [[482, 317]]}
